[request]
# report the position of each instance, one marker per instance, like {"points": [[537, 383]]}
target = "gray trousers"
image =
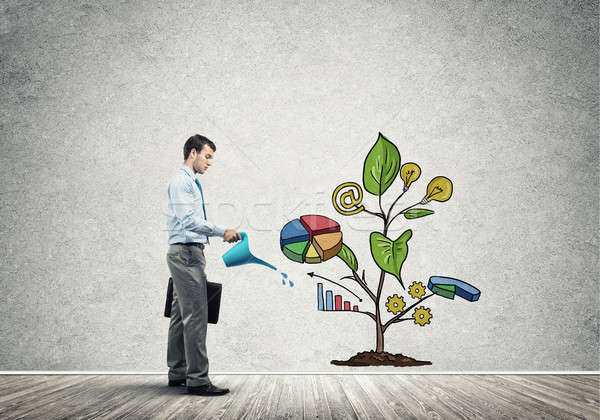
{"points": [[186, 350]]}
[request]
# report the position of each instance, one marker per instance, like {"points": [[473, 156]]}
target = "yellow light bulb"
{"points": [[439, 189], [409, 173]]}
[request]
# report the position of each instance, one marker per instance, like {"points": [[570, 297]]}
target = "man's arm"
{"points": [[182, 201]]}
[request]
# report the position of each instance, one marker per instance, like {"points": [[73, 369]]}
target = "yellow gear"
{"points": [[395, 304], [416, 289], [422, 316]]}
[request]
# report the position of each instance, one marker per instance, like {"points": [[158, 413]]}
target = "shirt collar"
{"points": [[188, 171]]}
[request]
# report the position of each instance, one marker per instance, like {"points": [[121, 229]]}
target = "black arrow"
{"points": [[312, 274]]}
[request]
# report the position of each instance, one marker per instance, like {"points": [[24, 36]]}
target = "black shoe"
{"points": [[207, 390], [176, 382]]}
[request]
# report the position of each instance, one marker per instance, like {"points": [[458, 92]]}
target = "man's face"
{"points": [[203, 159]]}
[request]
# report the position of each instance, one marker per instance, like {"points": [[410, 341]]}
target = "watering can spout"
{"points": [[240, 254], [256, 260]]}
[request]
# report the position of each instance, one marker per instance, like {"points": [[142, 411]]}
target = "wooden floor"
{"points": [[308, 396]]}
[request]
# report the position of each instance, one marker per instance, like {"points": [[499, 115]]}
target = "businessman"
{"points": [[189, 232]]}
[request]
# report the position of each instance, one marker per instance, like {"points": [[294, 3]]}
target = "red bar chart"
{"points": [[333, 302]]}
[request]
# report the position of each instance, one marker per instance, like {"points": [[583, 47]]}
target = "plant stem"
{"points": [[363, 285], [380, 330], [394, 203], [375, 214], [397, 317], [366, 313], [388, 223], [379, 327], [402, 319], [377, 318]]}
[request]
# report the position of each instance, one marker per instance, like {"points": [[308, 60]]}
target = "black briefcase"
{"points": [[213, 295]]}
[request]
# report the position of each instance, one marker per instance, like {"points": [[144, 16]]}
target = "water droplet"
{"points": [[283, 281], [291, 283], [285, 276]]}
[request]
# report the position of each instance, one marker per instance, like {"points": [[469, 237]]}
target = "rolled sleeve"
{"points": [[218, 231]]}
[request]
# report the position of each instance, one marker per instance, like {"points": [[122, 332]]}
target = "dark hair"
{"points": [[196, 142]]}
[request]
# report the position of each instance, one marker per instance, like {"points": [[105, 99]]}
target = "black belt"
{"points": [[190, 244]]}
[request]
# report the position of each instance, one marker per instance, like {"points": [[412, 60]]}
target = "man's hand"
{"points": [[231, 236]]}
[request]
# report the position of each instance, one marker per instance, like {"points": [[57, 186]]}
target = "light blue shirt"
{"points": [[186, 215]]}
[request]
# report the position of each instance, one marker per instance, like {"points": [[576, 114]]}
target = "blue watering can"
{"points": [[240, 254]]}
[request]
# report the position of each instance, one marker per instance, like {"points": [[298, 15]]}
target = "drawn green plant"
{"points": [[381, 168]]}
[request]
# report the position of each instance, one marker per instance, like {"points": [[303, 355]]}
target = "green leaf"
{"points": [[416, 213], [348, 257], [381, 166], [390, 255]]}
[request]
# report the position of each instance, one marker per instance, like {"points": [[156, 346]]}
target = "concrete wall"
{"points": [[98, 99]]}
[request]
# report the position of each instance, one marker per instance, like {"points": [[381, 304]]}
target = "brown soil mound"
{"points": [[372, 358]]}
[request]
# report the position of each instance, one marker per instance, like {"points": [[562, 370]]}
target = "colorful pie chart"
{"points": [[311, 239]]}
